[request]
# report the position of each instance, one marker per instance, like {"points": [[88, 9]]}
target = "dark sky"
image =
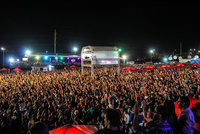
{"points": [[134, 27]]}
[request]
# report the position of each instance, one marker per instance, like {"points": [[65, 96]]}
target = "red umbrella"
{"points": [[125, 70], [166, 66], [148, 68], [180, 65], [3, 70], [17, 70], [194, 64], [74, 129], [130, 69], [73, 66]]}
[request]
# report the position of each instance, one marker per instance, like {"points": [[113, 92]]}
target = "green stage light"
{"points": [[61, 58]]}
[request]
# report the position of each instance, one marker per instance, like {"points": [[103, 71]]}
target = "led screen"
{"points": [[106, 54], [106, 62]]}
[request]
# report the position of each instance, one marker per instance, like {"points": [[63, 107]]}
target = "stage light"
{"points": [[124, 57], [165, 59], [61, 58], [68, 58], [175, 57], [119, 49], [45, 57], [170, 58], [27, 52], [3, 50], [11, 60], [151, 51], [75, 49], [37, 57]]}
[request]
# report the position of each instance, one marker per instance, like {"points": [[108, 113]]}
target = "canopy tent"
{"points": [[195, 64], [125, 70], [74, 129], [17, 70], [179, 65], [194, 61], [3, 70], [73, 66], [148, 68], [166, 66], [178, 110], [130, 69]]}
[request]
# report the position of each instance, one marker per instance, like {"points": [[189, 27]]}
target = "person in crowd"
{"points": [[163, 127], [171, 115], [196, 110], [186, 120], [39, 128], [112, 122]]}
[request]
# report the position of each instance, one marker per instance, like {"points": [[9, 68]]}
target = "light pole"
{"points": [[151, 51], [124, 57], [3, 49], [119, 50], [75, 49], [28, 53]]}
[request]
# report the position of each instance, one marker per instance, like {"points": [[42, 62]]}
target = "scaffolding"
{"points": [[99, 55]]}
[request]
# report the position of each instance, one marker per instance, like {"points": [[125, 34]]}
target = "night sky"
{"points": [[134, 27]]}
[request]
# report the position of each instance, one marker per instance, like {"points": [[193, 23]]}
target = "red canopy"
{"points": [[74, 129], [3, 70], [73, 66], [17, 69], [148, 68], [194, 64], [178, 110], [166, 66], [125, 70], [179, 65], [130, 69]]}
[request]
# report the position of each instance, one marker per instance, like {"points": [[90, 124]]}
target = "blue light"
{"points": [[165, 59], [46, 57], [11, 60]]}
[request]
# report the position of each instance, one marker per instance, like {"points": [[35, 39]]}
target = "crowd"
{"points": [[139, 102]]}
